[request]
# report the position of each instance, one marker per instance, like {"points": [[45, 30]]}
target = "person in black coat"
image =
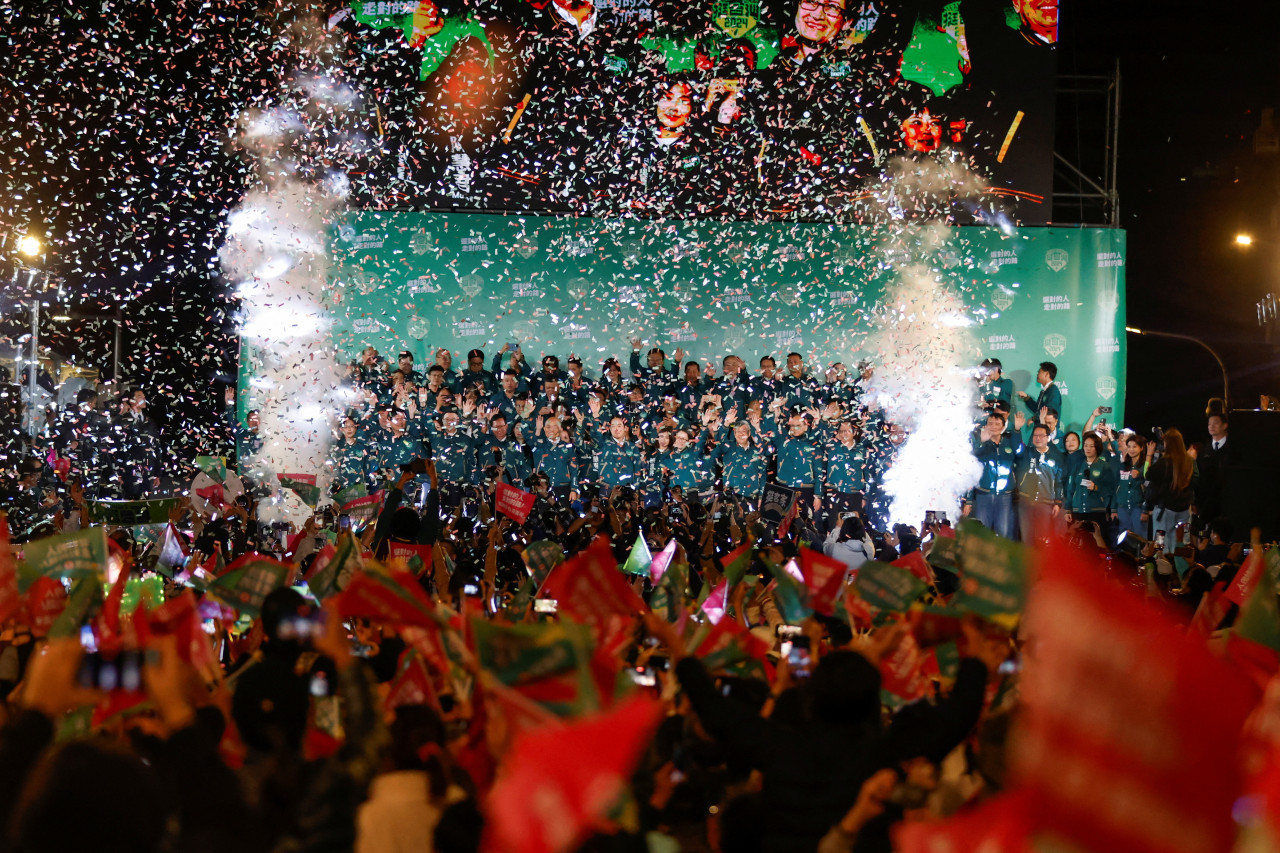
{"points": [[814, 765]]}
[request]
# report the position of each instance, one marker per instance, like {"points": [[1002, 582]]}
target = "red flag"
{"points": [[395, 598], [591, 590], [213, 495], [8, 574], [411, 684], [914, 563], [109, 618], [1101, 715], [858, 609], [1211, 611], [425, 639], [406, 552], [43, 603], [905, 672], [823, 576], [1246, 579], [512, 502], [997, 826], [661, 560], [559, 782]]}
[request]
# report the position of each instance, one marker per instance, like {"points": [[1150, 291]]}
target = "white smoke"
{"points": [[276, 253], [924, 348]]}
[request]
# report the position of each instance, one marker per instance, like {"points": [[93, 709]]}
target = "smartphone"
{"points": [[545, 605], [514, 345], [344, 522], [470, 589], [301, 627], [123, 672], [1104, 410], [1159, 538], [643, 677], [798, 658], [1084, 481], [789, 631]]}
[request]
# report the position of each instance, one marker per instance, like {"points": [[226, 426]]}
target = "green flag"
{"points": [[70, 555], [889, 588], [214, 466], [86, 594], [303, 485], [993, 581], [328, 577], [736, 564], [639, 560], [790, 596], [248, 582], [1259, 619], [945, 554]]}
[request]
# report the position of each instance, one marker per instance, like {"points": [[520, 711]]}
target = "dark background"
{"points": [[117, 148]]}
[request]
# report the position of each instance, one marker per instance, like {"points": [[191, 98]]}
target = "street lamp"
{"points": [[1226, 387]]}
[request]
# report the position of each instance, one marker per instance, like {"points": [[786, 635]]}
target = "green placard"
{"points": [[887, 587], [993, 583]]}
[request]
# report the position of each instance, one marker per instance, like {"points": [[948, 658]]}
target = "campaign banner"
{"points": [[775, 503], [131, 513], [887, 587], [68, 555], [512, 502], [363, 510], [413, 281], [993, 582]]}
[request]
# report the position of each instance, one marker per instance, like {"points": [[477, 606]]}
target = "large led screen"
{"points": [[736, 109]]}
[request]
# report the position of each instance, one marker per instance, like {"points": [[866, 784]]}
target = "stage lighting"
{"points": [[1244, 239], [1131, 544], [29, 245]]}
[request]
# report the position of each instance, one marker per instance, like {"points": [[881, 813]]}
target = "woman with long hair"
{"points": [[1171, 489], [1127, 511], [1091, 489]]}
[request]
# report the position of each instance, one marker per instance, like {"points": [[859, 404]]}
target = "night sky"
{"points": [[117, 146]]}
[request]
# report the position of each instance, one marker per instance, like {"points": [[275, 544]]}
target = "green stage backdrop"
{"points": [[418, 281]]}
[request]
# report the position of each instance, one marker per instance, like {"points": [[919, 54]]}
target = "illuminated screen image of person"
{"points": [[819, 21], [1039, 19], [675, 106], [427, 22]]}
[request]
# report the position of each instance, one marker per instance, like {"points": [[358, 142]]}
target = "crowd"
{"points": [[635, 652]]}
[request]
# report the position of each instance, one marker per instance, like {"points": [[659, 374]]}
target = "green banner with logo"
{"points": [[419, 281]]}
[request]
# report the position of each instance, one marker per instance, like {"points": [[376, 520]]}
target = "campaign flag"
{"points": [[1100, 714], [8, 573], [428, 643], [716, 602], [993, 581], [548, 662], [736, 563], [86, 593], [790, 596], [1259, 620], [392, 597], [411, 685], [416, 558], [41, 604], [933, 626], [915, 563], [214, 495], [823, 576], [512, 502], [639, 560], [998, 825], [248, 581], [69, 555], [887, 587], [905, 673], [1246, 579], [775, 502], [560, 782], [944, 554], [363, 510], [591, 590], [302, 485], [658, 567], [172, 553], [180, 617], [725, 643], [856, 610], [333, 566]]}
